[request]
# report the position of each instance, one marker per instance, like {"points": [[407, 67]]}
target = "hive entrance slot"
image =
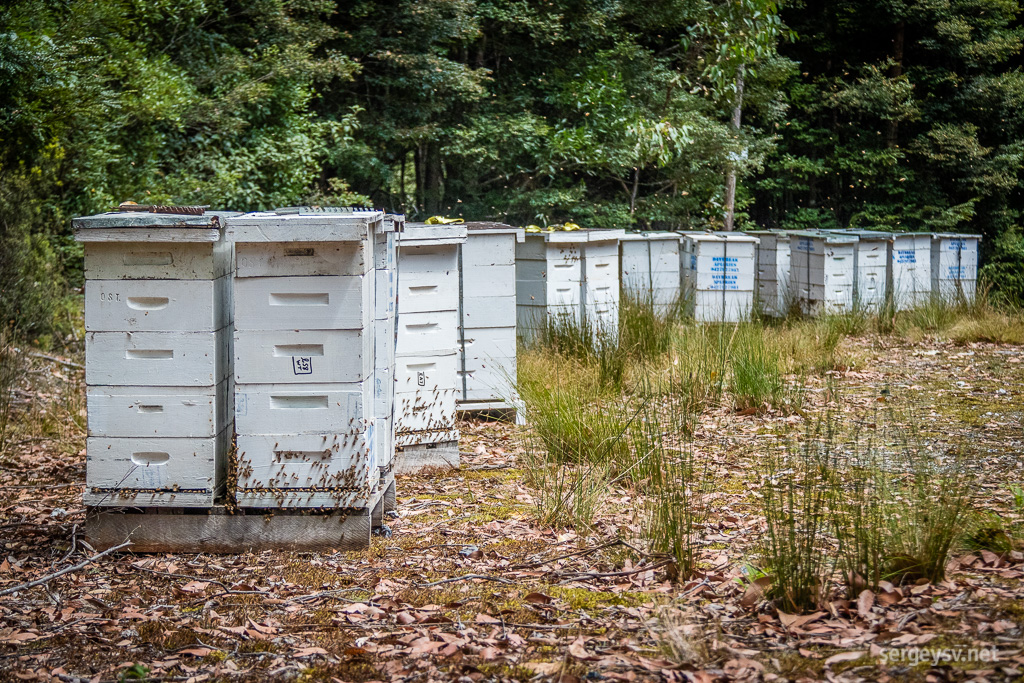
{"points": [[147, 458], [298, 402], [300, 299], [148, 303], [149, 354], [285, 350]]}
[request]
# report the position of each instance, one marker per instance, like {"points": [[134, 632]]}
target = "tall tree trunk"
{"points": [[417, 162], [433, 190], [896, 71], [730, 177]]}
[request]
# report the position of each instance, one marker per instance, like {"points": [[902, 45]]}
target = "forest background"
{"points": [[902, 115]]}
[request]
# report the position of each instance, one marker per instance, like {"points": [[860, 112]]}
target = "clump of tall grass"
{"points": [[758, 372], [12, 370], [796, 480], [898, 508], [581, 338], [677, 483], [646, 326]]}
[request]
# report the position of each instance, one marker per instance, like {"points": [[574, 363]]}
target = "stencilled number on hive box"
{"points": [[421, 378], [302, 365]]}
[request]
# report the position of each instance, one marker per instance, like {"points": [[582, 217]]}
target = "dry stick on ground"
{"points": [[596, 575], [57, 360], [530, 565], [62, 572], [465, 578]]}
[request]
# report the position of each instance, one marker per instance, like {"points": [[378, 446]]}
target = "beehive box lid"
{"points": [[297, 225], [740, 237], [494, 228], [827, 237], [423, 234], [580, 236], [146, 226], [648, 236], [955, 236], [865, 234]]}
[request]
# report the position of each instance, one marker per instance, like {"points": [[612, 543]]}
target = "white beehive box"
{"points": [[955, 266], [385, 264], [910, 271], [487, 316], [158, 322], [872, 260], [568, 277], [719, 275], [773, 268], [822, 271], [649, 268], [305, 351], [601, 285], [426, 368]]}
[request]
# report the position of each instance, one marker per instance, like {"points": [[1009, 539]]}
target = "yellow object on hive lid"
{"points": [[441, 220]]}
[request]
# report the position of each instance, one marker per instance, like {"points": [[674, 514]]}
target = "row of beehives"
{"points": [[280, 328], [723, 277], [838, 271]]}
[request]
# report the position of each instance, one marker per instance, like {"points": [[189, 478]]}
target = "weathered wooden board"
{"points": [[158, 411], [427, 333], [157, 305], [283, 259], [162, 466], [302, 408], [158, 261], [302, 356], [223, 533], [193, 359], [413, 458], [328, 227], [320, 302]]}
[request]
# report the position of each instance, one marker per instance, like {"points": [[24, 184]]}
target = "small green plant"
{"points": [[135, 672], [646, 326], [795, 484], [757, 372]]}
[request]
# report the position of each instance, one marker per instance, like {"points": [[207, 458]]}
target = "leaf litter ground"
{"points": [[468, 587]]}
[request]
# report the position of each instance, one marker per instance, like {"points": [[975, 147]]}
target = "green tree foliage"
{"points": [[896, 114], [905, 115]]}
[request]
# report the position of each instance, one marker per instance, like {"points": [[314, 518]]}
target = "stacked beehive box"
{"points": [[649, 268], [871, 266], [158, 338], [773, 271], [487, 317], [822, 271], [954, 266], [718, 275], [601, 287], [304, 359], [568, 277], [910, 271], [426, 357], [385, 263]]}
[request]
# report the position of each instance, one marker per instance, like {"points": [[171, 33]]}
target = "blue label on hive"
{"points": [[906, 256]]}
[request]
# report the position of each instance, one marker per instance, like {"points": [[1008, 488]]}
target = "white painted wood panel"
{"points": [[487, 250], [193, 467], [158, 261], [494, 281], [283, 259], [293, 228], [548, 293], [303, 408], [301, 356], [911, 269], [722, 306], [316, 462], [422, 292], [158, 411], [385, 294], [495, 342], [487, 311], [303, 303], [157, 305], [186, 359], [427, 333], [723, 271], [420, 412]]}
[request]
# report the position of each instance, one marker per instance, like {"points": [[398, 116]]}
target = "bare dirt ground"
{"points": [[468, 587]]}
